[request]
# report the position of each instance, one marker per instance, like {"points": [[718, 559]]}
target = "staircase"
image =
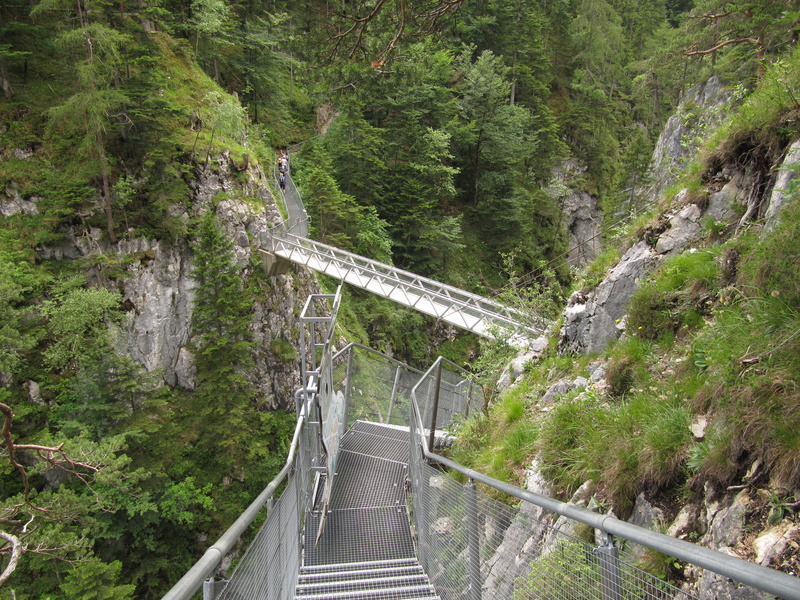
{"points": [[400, 579]]}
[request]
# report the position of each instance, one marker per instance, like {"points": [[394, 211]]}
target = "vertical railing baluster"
{"points": [[437, 385], [394, 394], [471, 523]]}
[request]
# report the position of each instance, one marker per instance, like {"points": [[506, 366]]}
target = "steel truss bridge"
{"points": [[463, 309], [368, 510]]}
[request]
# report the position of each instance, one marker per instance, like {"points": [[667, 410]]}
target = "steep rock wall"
{"points": [[157, 288], [581, 218], [595, 318], [699, 113]]}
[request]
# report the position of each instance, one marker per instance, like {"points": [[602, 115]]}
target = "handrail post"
{"points": [[394, 394], [348, 390], [471, 524], [608, 558], [437, 385], [212, 587]]}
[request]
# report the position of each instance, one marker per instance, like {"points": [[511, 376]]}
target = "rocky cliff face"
{"points": [[700, 112], [595, 318], [158, 289], [581, 218]]}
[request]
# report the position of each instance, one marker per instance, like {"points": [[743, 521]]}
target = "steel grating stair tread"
{"points": [[366, 551], [367, 518], [401, 579]]}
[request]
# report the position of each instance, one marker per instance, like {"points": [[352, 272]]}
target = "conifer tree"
{"points": [[221, 313]]}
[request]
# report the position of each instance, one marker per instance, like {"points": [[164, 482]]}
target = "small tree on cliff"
{"points": [[222, 341]]}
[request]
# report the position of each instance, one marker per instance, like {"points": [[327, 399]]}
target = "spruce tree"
{"points": [[222, 341]]}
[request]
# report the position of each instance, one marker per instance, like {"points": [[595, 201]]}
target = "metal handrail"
{"points": [[204, 568], [762, 578]]}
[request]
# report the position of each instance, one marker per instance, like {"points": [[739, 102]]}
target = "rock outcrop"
{"points": [[700, 112], [157, 290], [593, 320], [581, 218]]}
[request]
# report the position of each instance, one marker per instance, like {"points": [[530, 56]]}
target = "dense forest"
{"points": [[423, 134]]}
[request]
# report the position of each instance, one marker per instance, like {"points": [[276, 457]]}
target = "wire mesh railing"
{"points": [[376, 387], [475, 548]]}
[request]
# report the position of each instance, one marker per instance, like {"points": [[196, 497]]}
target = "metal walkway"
{"points": [[464, 545], [367, 551], [367, 519], [463, 309], [455, 306]]}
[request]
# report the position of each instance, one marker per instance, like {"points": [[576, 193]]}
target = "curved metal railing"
{"points": [[434, 499]]}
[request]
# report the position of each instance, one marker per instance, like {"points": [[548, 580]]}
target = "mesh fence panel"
{"points": [[457, 397], [269, 568], [473, 547], [379, 388]]}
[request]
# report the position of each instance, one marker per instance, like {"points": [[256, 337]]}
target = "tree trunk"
{"points": [[5, 82], [106, 189]]}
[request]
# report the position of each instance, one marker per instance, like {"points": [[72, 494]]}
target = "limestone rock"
{"points": [[684, 229], [581, 217], [722, 205], [787, 172], [711, 585], [698, 427], [726, 523], [699, 113], [557, 389], [158, 290], [774, 542], [515, 369], [14, 203], [521, 541], [685, 522], [591, 321], [646, 515]]}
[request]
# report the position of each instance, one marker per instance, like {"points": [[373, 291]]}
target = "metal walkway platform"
{"points": [[367, 519]]}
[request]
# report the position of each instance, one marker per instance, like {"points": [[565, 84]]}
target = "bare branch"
{"points": [[8, 418], [722, 45], [16, 551]]}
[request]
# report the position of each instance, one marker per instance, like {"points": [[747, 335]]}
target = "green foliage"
{"points": [[79, 326], [679, 294], [221, 314], [97, 581], [283, 349]]}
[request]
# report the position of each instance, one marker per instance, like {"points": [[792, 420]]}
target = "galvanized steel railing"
{"points": [[475, 548]]}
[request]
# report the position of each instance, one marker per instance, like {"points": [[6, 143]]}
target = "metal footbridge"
{"points": [[458, 307], [368, 510]]}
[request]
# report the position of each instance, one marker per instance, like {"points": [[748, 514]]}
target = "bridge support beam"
{"points": [[273, 264]]}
